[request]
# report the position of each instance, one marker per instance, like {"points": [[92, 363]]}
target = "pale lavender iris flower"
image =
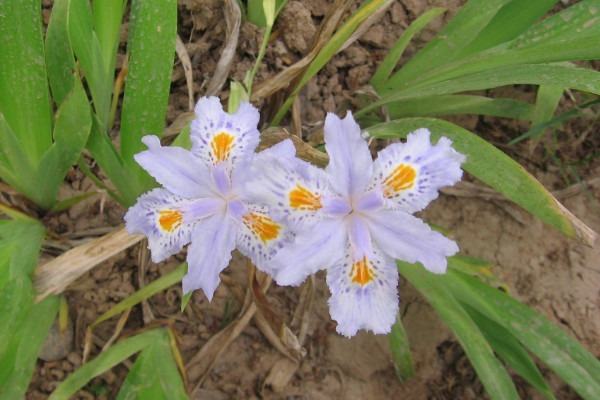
{"points": [[354, 218], [202, 201]]}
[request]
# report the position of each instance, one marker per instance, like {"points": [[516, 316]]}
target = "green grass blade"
{"points": [[105, 361], [547, 100], [148, 80], [113, 165], [89, 54], [154, 376], [472, 18], [497, 170], [108, 15], [570, 360], [329, 50], [59, 54], [510, 350], [71, 131], [18, 362], [146, 292], [20, 242], [490, 370], [401, 351], [24, 94], [460, 104], [392, 58], [16, 169], [511, 20], [563, 75]]}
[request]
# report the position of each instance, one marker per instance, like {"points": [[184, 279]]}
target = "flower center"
{"points": [[262, 226], [303, 199], [170, 219], [402, 178], [362, 272], [221, 145]]}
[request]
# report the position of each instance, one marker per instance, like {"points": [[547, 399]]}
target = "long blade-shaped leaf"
{"points": [[71, 131], [59, 54], [570, 360], [511, 351], [401, 351], [498, 170], [24, 94], [490, 370], [154, 376], [149, 78], [18, 362], [105, 361]]}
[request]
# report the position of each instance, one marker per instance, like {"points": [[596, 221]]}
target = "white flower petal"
{"points": [[350, 166], [410, 174], [217, 136], [260, 238], [313, 250], [409, 239], [364, 293], [292, 189], [177, 169], [213, 240], [160, 216]]}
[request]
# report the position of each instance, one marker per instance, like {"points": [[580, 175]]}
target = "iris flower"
{"points": [[354, 218], [202, 201]]}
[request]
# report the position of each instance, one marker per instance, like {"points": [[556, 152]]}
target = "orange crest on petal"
{"points": [[303, 199], [221, 145], [402, 178], [170, 219], [362, 272], [264, 227]]}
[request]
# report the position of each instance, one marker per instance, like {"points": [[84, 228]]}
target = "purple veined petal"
{"points": [[314, 249], [217, 136], [359, 236], [369, 201], [161, 216], [336, 207], [213, 240], [221, 179], [407, 238], [175, 168], [350, 166], [292, 189], [410, 174], [364, 293], [259, 237]]}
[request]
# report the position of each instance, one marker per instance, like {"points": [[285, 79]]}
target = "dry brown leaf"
{"points": [[371, 20], [271, 136], [233, 18], [288, 76], [184, 57], [199, 366], [54, 276]]}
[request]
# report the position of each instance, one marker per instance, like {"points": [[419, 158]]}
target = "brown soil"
{"points": [[554, 275]]}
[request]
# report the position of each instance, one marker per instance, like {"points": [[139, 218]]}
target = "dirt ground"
{"points": [[554, 275]]}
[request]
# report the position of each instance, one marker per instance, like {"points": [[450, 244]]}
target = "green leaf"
{"points": [[113, 165], [490, 370], [570, 360], [20, 242], [391, 60], [148, 80], [18, 361], [401, 351], [497, 170], [460, 104], [71, 131], [154, 375], [510, 21], [472, 18], [59, 54], [546, 103], [108, 15], [89, 54], [24, 94], [146, 292], [563, 75], [15, 167], [106, 360], [511, 351]]}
